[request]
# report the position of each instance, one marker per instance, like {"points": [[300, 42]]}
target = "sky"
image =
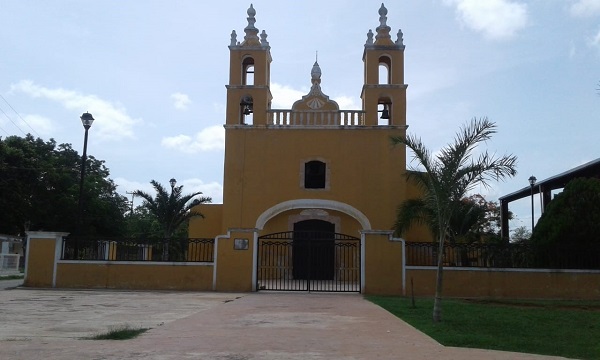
{"points": [[153, 75]]}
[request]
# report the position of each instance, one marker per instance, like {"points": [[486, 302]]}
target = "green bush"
{"points": [[569, 229]]}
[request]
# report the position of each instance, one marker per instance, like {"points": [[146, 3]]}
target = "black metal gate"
{"points": [[308, 261]]}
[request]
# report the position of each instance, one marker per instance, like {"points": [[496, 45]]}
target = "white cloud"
{"points": [[595, 40], [210, 138], [347, 103], [496, 19], [213, 189], [112, 121], [124, 186], [585, 8], [284, 96], [34, 124], [180, 101], [41, 124]]}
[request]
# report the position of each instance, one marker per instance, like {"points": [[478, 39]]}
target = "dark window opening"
{"points": [[314, 175]]}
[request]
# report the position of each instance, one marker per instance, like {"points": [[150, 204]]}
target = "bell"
{"points": [[247, 110], [385, 113]]}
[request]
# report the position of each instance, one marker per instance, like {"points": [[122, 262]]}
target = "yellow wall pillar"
{"points": [[382, 263], [43, 253], [235, 262]]}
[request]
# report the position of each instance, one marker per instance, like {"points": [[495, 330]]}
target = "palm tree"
{"points": [[171, 210], [447, 177]]}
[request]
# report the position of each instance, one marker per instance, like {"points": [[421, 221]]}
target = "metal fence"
{"points": [[509, 255], [9, 263], [308, 261], [138, 249]]}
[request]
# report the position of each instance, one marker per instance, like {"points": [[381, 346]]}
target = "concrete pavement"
{"points": [[49, 324], [8, 284]]}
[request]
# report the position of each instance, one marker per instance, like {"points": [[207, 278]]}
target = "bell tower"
{"points": [[248, 93], [384, 92]]}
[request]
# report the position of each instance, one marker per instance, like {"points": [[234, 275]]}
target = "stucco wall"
{"points": [[40, 262], [263, 168], [138, 276], [383, 265], [209, 226], [507, 283]]}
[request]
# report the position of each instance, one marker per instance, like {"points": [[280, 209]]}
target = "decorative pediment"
{"points": [[315, 100]]}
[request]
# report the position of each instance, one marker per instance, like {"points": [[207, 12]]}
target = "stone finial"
{"points": [[263, 39], [315, 73], [315, 89], [233, 38], [400, 39], [369, 38], [383, 31], [251, 31], [251, 20], [382, 15]]}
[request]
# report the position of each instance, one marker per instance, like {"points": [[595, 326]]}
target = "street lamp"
{"points": [[86, 119], [172, 182], [532, 181]]}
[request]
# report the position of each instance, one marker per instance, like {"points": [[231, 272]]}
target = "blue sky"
{"points": [[153, 74]]}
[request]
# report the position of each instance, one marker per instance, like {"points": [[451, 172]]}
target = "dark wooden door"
{"points": [[314, 250]]}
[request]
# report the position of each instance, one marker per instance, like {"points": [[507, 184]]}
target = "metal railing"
{"points": [[9, 263], [510, 255], [142, 249]]}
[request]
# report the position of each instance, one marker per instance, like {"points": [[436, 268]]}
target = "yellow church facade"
{"points": [[309, 203], [310, 193]]}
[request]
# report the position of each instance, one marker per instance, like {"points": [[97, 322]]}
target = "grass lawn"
{"points": [[561, 328], [124, 332]]}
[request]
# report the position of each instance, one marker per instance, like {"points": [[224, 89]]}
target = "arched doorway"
{"points": [[312, 257]]}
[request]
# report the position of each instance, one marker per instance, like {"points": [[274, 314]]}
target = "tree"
{"points": [[141, 223], [446, 179], [477, 220], [467, 225], [173, 210], [39, 182], [520, 235], [566, 234]]}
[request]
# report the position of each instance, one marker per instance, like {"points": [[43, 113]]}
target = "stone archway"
{"points": [[276, 264], [313, 204]]}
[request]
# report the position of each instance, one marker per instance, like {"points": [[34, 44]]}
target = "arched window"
{"points": [[385, 70], [248, 71], [315, 174]]}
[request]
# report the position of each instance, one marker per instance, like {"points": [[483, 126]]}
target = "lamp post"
{"points": [[532, 181], [86, 119], [172, 182]]}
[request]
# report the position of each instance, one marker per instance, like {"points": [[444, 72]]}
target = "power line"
{"points": [[7, 133], [11, 120], [19, 115]]}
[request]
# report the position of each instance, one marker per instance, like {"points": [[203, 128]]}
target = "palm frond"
{"points": [[412, 212], [171, 209]]}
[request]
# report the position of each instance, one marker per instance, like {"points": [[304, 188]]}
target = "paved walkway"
{"points": [[7, 284], [49, 324]]}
